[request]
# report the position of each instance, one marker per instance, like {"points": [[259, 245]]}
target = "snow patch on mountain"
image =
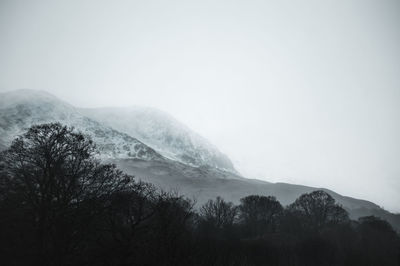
{"points": [[23, 108]]}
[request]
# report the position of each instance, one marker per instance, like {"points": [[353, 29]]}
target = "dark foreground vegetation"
{"points": [[60, 206]]}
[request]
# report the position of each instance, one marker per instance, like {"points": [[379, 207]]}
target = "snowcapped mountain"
{"points": [[23, 108], [154, 147], [137, 132], [165, 134]]}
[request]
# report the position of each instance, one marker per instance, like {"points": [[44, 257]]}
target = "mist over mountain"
{"points": [[154, 147], [161, 131], [198, 133]]}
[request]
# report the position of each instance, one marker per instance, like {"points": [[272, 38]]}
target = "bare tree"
{"points": [[219, 213], [319, 209], [259, 213], [51, 171]]}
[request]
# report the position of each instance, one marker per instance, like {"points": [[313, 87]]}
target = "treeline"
{"points": [[60, 206]]}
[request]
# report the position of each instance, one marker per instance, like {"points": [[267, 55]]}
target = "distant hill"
{"points": [[203, 183]]}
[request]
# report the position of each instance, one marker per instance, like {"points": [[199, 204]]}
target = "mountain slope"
{"points": [[23, 108], [164, 133], [204, 183]]}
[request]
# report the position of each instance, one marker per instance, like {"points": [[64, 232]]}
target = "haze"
{"points": [[304, 92]]}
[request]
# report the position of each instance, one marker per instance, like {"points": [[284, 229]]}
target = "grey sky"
{"points": [[295, 91]]}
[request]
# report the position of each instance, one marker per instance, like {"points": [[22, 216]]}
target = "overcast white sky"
{"points": [[304, 92]]}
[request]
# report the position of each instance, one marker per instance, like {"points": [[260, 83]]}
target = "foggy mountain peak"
{"points": [[132, 132]]}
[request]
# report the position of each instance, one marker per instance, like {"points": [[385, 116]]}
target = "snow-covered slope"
{"points": [[139, 132], [165, 134], [23, 108]]}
